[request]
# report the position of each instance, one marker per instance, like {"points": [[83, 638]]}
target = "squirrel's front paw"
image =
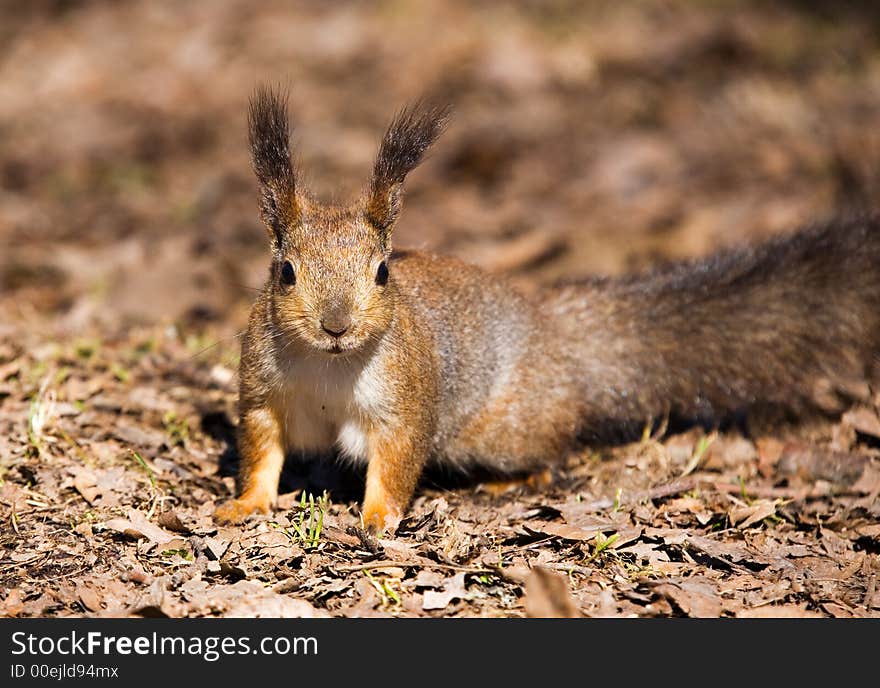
{"points": [[381, 517], [237, 510]]}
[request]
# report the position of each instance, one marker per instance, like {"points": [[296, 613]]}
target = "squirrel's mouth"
{"points": [[339, 347]]}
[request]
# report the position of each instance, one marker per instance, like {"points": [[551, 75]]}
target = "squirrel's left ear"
{"points": [[269, 137], [410, 134]]}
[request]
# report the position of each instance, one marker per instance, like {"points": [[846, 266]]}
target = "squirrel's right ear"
{"points": [[269, 137], [410, 134]]}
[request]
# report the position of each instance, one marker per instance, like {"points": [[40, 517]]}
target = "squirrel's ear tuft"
{"points": [[269, 137], [410, 134]]}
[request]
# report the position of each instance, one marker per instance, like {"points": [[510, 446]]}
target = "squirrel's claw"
{"points": [[379, 518]]}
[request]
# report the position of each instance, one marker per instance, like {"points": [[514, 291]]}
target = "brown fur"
{"points": [[446, 363]]}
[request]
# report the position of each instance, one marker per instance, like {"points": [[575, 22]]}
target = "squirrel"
{"points": [[398, 359]]}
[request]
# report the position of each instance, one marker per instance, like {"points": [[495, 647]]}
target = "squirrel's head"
{"points": [[331, 285]]}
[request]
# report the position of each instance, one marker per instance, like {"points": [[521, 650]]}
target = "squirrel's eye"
{"points": [[382, 274], [288, 276]]}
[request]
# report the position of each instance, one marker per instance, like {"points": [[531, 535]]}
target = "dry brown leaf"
{"points": [[731, 553], [645, 551], [139, 527], [548, 596], [693, 597], [84, 482], [13, 496], [155, 603], [837, 547], [215, 547], [249, 599], [779, 611], [746, 516], [565, 531], [338, 535], [428, 579], [453, 588], [396, 550], [90, 598], [838, 611], [171, 521], [12, 605], [625, 537], [683, 504], [869, 530]]}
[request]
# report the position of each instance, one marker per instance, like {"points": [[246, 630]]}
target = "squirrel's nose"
{"points": [[336, 325]]}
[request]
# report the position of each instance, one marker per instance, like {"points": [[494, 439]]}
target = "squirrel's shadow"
{"points": [[344, 482], [313, 473], [316, 473]]}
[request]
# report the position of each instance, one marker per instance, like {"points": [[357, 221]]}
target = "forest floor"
{"points": [[593, 139]]}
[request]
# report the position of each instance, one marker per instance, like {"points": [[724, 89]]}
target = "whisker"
{"points": [[216, 344]]}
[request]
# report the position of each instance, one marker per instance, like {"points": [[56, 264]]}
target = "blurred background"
{"points": [[589, 137]]}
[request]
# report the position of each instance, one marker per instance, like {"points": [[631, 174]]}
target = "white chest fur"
{"points": [[332, 403]]}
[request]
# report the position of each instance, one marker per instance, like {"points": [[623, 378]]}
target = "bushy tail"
{"points": [[794, 322]]}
